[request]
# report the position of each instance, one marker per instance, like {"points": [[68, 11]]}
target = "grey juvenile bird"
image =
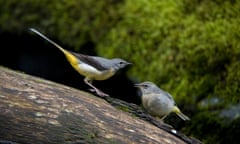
{"points": [[158, 102], [92, 67]]}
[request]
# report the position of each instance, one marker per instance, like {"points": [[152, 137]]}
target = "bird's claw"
{"points": [[100, 93]]}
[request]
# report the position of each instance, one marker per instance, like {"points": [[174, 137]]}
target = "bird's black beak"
{"points": [[128, 63], [137, 85]]}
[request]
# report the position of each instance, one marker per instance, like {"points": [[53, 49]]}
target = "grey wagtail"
{"points": [[158, 102], [92, 67]]}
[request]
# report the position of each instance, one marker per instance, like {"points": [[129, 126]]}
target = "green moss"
{"points": [[229, 88]]}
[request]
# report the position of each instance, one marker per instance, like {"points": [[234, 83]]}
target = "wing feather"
{"points": [[97, 62]]}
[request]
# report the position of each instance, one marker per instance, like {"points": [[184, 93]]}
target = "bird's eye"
{"points": [[145, 86], [121, 62]]}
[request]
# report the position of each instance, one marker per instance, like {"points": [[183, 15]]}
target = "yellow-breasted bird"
{"points": [[91, 67], [158, 102]]}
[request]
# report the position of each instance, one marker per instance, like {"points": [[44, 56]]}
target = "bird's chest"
{"points": [[158, 105]]}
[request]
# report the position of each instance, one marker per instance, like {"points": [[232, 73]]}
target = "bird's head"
{"points": [[119, 63], [147, 87]]}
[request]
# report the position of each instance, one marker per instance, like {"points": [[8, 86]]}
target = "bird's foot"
{"points": [[100, 93]]}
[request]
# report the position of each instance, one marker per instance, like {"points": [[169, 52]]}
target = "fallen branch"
{"points": [[34, 110]]}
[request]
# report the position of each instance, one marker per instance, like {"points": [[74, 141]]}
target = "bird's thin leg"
{"points": [[100, 93], [162, 118]]}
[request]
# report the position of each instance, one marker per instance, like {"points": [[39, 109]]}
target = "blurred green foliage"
{"points": [[190, 48], [73, 22]]}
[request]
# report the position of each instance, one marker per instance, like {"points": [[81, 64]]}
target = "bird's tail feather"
{"points": [[70, 57], [180, 114], [46, 38]]}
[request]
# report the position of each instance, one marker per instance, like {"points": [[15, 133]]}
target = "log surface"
{"points": [[34, 110]]}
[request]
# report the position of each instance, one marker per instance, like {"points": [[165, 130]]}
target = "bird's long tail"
{"points": [[46, 38], [70, 57], [180, 114]]}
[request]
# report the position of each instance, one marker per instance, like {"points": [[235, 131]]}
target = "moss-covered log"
{"points": [[33, 110]]}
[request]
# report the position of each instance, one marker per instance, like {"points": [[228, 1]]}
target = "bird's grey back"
{"points": [[155, 89], [97, 62], [166, 93]]}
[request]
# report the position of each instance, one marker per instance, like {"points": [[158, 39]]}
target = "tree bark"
{"points": [[34, 110]]}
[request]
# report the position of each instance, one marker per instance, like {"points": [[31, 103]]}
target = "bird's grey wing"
{"points": [[166, 93], [97, 62]]}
